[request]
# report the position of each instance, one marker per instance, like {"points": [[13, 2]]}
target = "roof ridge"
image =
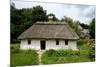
{"points": [[55, 22]]}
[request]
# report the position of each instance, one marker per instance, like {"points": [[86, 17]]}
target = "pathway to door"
{"points": [[42, 49], [40, 52]]}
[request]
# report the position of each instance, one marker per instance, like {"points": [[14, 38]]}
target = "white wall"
{"points": [[50, 44], [72, 44], [35, 44]]}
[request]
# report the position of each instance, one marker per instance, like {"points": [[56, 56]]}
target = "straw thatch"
{"points": [[46, 30]]}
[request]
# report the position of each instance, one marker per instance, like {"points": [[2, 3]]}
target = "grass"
{"points": [[23, 57], [30, 57], [60, 53], [68, 56]]}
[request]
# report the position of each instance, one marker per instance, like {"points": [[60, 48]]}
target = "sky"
{"points": [[78, 12]]}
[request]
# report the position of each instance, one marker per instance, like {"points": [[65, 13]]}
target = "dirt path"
{"points": [[40, 52]]}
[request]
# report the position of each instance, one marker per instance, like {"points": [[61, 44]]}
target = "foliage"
{"points": [[60, 53], [86, 53], [81, 42], [22, 19], [92, 28], [67, 19], [39, 14], [72, 24], [15, 48], [84, 26], [92, 52], [23, 57], [59, 60], [69, 56]]}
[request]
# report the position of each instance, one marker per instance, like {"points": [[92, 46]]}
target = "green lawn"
{"points": [[68, 56], [30, 57], [23, 57]]}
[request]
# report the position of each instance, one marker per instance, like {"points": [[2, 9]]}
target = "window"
{"points": [[66, 42], [29, 42], [57, 42]]}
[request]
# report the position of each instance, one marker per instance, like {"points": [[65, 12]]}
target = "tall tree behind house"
{"points": [[22, 19]]}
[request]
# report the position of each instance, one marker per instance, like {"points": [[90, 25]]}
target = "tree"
{"points": [[84, 26], [22, 19], [92, 28], [67, 20], [72, 24], [19, 21], [38, 14]]}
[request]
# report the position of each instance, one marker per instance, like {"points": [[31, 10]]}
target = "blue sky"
{"points": [[83, 13]]}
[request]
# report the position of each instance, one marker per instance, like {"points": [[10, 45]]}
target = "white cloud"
{"points": [[83, 13], [89, 12]]}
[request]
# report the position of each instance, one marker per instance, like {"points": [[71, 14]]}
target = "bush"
{"points": [[17, 50], [50, 52], [86, 53], [82, 42], [64, 56], [15, 41], [14, 48], [64, 53], [92, 52], [61, 53]]}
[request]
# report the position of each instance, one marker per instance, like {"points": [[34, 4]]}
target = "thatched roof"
{"points": [[44, 30]]}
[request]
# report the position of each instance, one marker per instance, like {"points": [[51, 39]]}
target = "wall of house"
{"points": [[35, 44], [50, 44], [72, 44]]}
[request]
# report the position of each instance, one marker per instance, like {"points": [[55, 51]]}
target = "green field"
{"points": [[85, 54], [23, 57], [30, 57]]}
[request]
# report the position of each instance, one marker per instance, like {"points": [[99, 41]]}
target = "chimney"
{"points": [[50, 18]]}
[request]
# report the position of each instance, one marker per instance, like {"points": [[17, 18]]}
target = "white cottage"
{"points": [[49, 35]]}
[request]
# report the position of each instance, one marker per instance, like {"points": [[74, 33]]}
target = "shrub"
{"points": [[92, 52], [15, 41], [64, 53], [17, 50], [14, 48], [61, 53], [50, 52], [63, 56], [82, 42], [86, 53]]}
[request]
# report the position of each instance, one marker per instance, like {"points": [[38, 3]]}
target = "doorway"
{"points": [[42, 45]]}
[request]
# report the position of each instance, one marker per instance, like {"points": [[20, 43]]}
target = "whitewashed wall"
{"points": [[72, 44], [50, 44], [35, 44]]}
